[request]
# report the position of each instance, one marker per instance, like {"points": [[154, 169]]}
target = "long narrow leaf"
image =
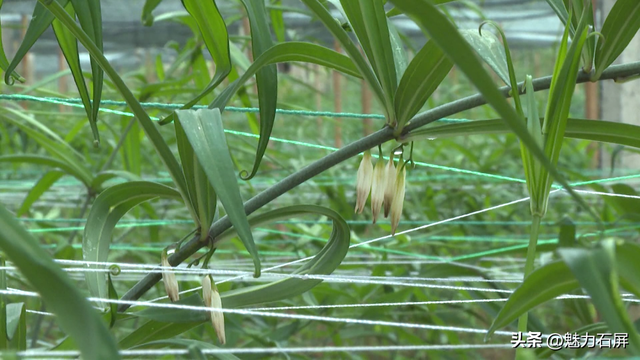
{"points": [[4, 62], [69, 46], [423, 76], [62, 297], [621, 25], [206, 135], [324, 263], [369, 22], [266, 77], [40, 21], [542, 285], [39, 188], [214, 32], [596, 271], [89, 15], [107, 210], [289, 51]]}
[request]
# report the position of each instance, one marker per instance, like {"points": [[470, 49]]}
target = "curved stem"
{"points": [[345, 153]]}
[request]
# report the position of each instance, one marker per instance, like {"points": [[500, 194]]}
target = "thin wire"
{"points": [[70, 102], [275, 350], [365, 242], [155, 105]]}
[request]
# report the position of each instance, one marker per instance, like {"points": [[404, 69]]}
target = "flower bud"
{"points": [[212, 299], [398, 198], [390, 189], [169, 279], [377, 188], [363, 181]]}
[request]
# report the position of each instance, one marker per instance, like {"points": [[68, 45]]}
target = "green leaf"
{"points": [[214, 33], [52, 143], [596, 271], [206, 135], [423, 76], [113, 307], [369, 22], [90, 17], [277, 20], [619, 28], [596, 130], [289, 51], [189, 167], [107, 209], [62, 297], [46, 161], [266, 78], [188, 343], [154, 331], [39, 188], [69, 46], [542, 285], [446, 36], [40, 21], [147, 16], [399, 54], [324, 263], [4, 62], [490, 50], [627, 255], [104, 176], [15, 314], [561, 92], [567, 236]]}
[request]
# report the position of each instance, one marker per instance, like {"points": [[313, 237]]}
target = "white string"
{"points": [[607, 194], [274, 350], [364, 305], [276, 315], [367, 242]]}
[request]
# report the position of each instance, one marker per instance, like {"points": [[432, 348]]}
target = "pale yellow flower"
{"points": [[377, 188], [212, 299], [169, 279], [390, 189], [398, 198], [363, 181]]}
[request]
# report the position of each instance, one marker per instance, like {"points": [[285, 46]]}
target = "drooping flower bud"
{"points": [[398, 198], [169, 279], [212, 299], [363, 181], [377, 188], [389, 191]]}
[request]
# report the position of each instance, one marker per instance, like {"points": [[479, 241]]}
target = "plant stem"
{"points": [[345, 153], [528, 268]]}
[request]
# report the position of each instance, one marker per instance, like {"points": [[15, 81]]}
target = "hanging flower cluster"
{"points": [[387, 187]]}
